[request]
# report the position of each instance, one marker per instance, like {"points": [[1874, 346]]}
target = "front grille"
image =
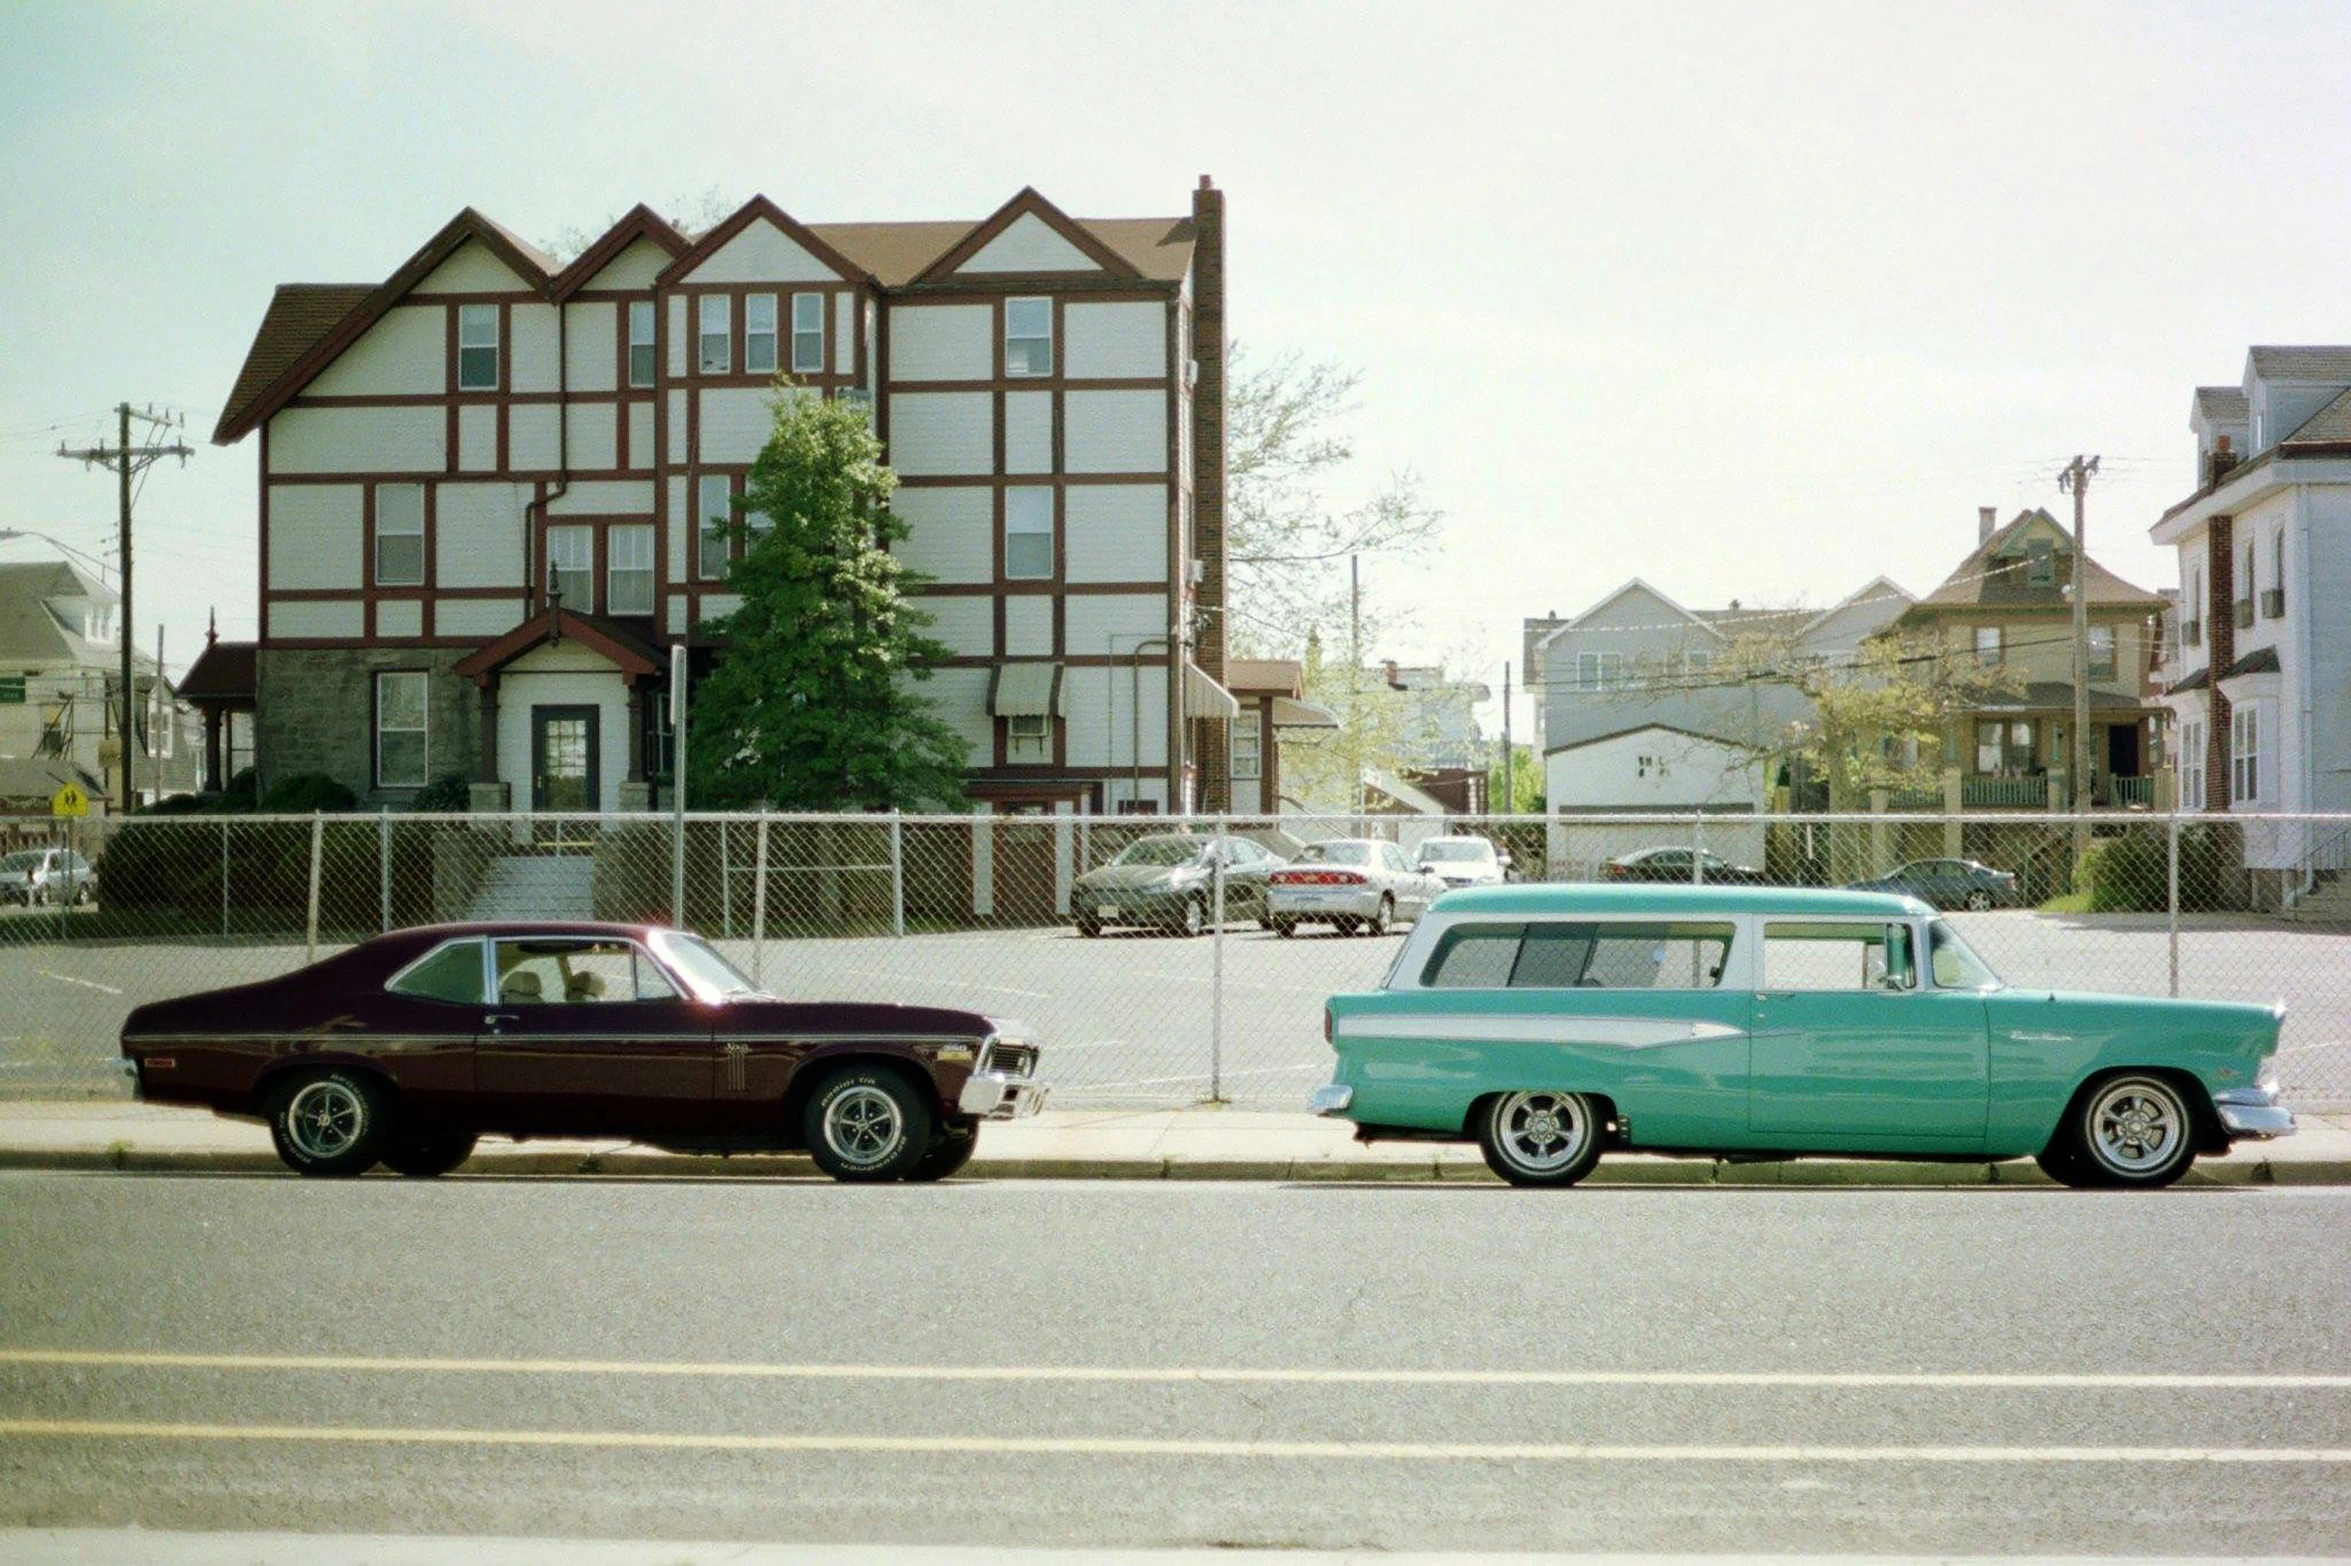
{"points": [[1018, 1060]]}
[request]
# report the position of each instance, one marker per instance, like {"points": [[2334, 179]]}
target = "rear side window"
{"points": [[451, 973], [1565, 954]]}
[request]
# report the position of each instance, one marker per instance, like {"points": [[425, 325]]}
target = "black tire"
{"points": [[330, 1124], [1285, 928], [2132, 1131], [426, 1155], [1191, 919], [950, 1150], [2060, 1165], [866, 1124], [1090, 928], [1540, 1138], [1382, 918]]}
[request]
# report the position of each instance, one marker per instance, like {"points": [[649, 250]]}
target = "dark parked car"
{"points": [[1673, 864], [1167, 881], [1949, 883], [405, 1049]]}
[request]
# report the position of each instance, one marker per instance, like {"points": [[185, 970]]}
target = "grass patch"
{"points": [[2069, 903]]}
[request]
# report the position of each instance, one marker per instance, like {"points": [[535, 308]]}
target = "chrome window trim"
{"points": [[1411, 962], [488, 988], [1879, 922], [680, 990]]}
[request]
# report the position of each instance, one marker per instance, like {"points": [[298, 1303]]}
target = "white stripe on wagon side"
{"points": [[1616, 1032]]}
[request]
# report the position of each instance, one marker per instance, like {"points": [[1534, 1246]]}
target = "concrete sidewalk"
{"points": [[1206, 1144]]}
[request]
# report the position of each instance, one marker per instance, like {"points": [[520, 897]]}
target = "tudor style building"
{"points": [[484, 483]]}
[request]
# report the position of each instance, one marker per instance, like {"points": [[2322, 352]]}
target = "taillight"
{"points": [[1317, 878], [1326, 1025]]}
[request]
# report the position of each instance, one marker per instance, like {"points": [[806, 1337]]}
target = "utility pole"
{"points": [[1355, 682], [126, 460], [1509, 756], [2075, 480]]}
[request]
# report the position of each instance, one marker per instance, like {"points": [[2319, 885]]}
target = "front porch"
{"points": [[569, 711]]}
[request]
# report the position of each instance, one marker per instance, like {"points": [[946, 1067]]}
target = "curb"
{"points": [[1620, 1170]]}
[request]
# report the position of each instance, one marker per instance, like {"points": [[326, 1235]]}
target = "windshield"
{"points": [[20, 861], [1337, 854], [707, 974], [1957, 967], [1159, 851], [1456, 852]]}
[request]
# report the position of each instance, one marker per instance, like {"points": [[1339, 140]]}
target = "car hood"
{"points": [[1136, 878]]}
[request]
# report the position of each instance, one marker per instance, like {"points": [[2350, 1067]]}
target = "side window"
{"points": [[1393, 857], [1474, 957], [450, 973], [1566, 954], [1836, 956], [576, 973]]}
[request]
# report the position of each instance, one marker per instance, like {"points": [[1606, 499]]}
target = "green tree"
{"points": [[1524, 795], [811, 703]]}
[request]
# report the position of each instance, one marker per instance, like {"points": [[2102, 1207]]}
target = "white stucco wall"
{"points": [[478, 532], [1122, 340], [563, 674], [943, 432], [1114, 431], [949, 530], [762, 253], [1029, 244], [1117, 532], [315, 535], [941, 342], [404, 354], [374, 440]]}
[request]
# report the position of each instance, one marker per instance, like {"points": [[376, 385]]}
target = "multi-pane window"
{"points": [[2245, 753], [400, 729], [717, 336], [2003, 746], [2040, 563], [1599, 671], [2193, 599], [642, 362], [628, 569], [1987, 645], [1028, 533], [715, 508], [1248, 756], [477, 347], [2101, 652], [807, 334], [399, 558], [571, 567], [2191, 753], [759, 333], [2244, 604], [1579, 955], [1028, 337]]}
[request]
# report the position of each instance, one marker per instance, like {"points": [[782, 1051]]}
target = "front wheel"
{"points": [[423, 1155], [867, 1123], [1382, 917], [2130, 1133], [1089, 927], [331, 1123], [1193, 918], [1540, 1138], [950, 1150]]}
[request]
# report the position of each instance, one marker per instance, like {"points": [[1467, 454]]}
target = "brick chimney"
{"points": [[2219, 461], [1987, 522]]}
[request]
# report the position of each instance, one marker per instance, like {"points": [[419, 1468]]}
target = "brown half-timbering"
{"points": [[1027, 203]]}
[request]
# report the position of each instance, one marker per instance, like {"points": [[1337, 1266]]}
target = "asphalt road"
{"points": [[1046, 1364], [1132, 1018]]}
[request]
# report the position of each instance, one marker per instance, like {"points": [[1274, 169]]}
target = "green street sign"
{"points": [[11, 690]]}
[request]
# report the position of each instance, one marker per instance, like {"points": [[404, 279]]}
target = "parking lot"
{"points": [[1146, 1019]]}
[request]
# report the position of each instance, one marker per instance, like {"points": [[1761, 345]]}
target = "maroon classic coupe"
{"points": [[404, 1050]]}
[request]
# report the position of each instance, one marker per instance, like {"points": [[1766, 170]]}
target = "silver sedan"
{"points": [[1356, 885]]}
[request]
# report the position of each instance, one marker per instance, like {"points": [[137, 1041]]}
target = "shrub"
{"points": [[2132, 873], [177, 805], [444, 794], [305, 792]]}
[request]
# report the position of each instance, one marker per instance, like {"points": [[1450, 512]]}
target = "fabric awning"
{"points": [[1204, 698], [1025, 690], [1288, 714]]}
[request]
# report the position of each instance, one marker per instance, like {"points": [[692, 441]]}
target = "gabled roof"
{"points": [[2326, 433], [1875, 590], [258, 394], [2312, 363], [760, 209], [1590, 740], [2262, 660], [299, 315], [639, 222], [1635, 585], [1027, 204], [29, 632], [1994, 576], [223, 674], [2329, 426], [623, 649], [2222, 404]]}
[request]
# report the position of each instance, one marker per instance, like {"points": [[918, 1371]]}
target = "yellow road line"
{"points": [[1115, 1446], [1175, 1374]]}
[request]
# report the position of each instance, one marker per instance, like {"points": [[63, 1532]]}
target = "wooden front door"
{"points": [[563, 759]]}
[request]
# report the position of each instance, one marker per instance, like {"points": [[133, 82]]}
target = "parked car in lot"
{"points": [[405, 1049], [1673, 864], [1356, 885], [1550, 1023], [1462, 861], [39, 876], [1949, 883], [1168, 882]]}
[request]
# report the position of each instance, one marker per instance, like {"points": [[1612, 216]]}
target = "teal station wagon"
{"points": [[1549, 1023]]}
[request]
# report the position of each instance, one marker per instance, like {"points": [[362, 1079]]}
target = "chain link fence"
{"points": [[1084, 926]]}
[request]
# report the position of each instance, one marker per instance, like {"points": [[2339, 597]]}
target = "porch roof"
{"points": [[634, 659]]}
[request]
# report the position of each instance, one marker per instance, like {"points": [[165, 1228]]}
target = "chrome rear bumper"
{"points": [[1330, 1098], [2254, 1113]]}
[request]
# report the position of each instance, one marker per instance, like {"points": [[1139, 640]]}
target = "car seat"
{"points": [[521, 986]]}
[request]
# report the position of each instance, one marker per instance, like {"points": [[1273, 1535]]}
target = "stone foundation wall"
{"points": [[315, 712]]}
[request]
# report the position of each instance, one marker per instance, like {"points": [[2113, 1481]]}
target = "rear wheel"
{"points": [[1285, 928], [330, 1123], [1089, 927], [2131, 1132], [1540, 1138], [1979, 900], [866, 1123], [421, 1155], [1382, 917]]}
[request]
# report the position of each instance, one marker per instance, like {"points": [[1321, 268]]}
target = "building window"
{"points": [[1247, 748], [2273, 602], [1028, 337], [641, 360], [477, 347], [1988, 646], [400, 729], [628, 569], [2040, 563], [571, 567], [2191, 754], [2101, 652], [807, 334], [1028, 737], [717, 334], [717, 513], [1028, 534], [1599, 671], [1698, 661], [2003, 747], [759, 333], [2245, 753], [2193, 602], [399, 558]]}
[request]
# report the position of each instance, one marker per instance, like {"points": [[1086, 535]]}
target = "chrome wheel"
{"points": [[1979, 900], [325, 1119], [1541, 1133], [2137, 1127], [862, 1126], [1195, 917]]}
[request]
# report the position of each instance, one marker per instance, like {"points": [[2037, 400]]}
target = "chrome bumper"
{"points": [[130, 1071], [2255, 1113], [1330, 1098], [999, 1095]]}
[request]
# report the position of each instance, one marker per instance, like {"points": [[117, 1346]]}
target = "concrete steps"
{"points": [[537, 886]]}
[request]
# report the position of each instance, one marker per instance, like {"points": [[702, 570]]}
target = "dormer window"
{"points": [[2040, 563]]}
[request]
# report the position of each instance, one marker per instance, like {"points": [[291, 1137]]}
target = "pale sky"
{"points": [[1753, 301]]}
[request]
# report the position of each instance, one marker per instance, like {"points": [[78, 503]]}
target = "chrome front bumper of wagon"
{"points": [[1331, 1098], [2254, 1113]]}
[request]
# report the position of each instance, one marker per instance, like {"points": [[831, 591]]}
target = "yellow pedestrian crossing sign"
{"points": [[69, 801]]}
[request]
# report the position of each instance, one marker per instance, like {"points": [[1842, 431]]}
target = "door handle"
{"points": [[496, 1017]]}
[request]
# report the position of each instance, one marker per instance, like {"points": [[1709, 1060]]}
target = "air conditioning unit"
{"points": [[1191, 373], [1198, 572]]}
